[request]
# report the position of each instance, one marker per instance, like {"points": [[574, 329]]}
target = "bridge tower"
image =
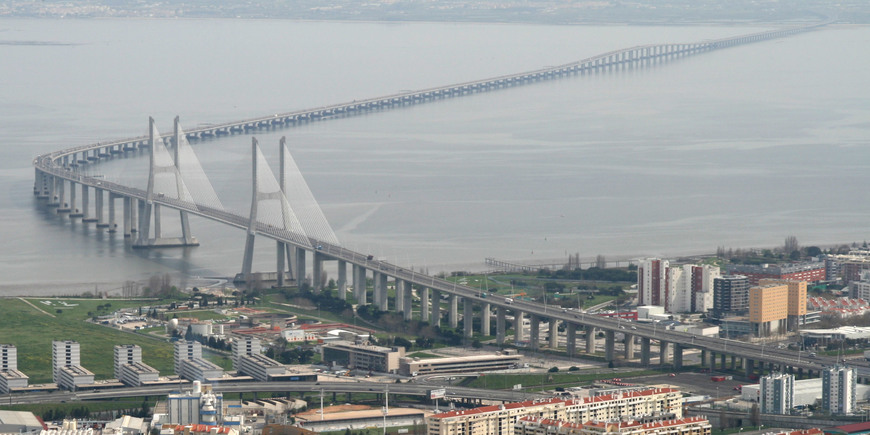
{"points": [[164, 173]]}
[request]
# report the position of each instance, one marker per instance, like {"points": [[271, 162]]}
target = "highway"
{"points": [[410, 389]]}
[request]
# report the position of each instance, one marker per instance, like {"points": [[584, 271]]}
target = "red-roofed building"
{"points": [[681, 426], [500, 420]]}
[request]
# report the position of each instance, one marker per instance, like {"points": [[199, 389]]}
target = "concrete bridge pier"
{"points": [[342, 280], [485, 320], [408, 299], [645, 351], [554, 334], [280, 249], [436, 308], [571, 336], [74, 211], [499, 325], [113, 225], [299, 269], [663, 353], [609, 345], [467, 318], [158, 227], [359, 284], [62, 205], [705, 362], [590, 339], [101, 217], [733, 362], [749, 367], [678, 356], [424, 304], [629, 346], [317, 272], [519, 326], [722, 360], [381, 299], [534, 332], [453, 311], [400, 295], [127, 216]]}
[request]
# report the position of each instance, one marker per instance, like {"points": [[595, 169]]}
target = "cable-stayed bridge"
{"points": [[284, 210]]}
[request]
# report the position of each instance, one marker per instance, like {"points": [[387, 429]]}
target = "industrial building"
{"points": [[248, 360], [777, 393], [500, 419], [473, 363], [67, 371], [10, 377], [362, 356], [199, 406], [129, 367], [190, 365]]}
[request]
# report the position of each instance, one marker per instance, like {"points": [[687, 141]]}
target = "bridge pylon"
{"points": [[164, 173]]}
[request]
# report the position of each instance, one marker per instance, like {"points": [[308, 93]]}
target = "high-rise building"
{"points": [[248, 360], [129, 367], [679, 289], [190, 365], [768, 308], [67, 371], [10, 377], [797, 300], [730, 295], [777, 393], [838, 389], [651, 279]]}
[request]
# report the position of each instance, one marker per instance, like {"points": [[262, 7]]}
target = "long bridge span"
{"points": [[304, 233]]}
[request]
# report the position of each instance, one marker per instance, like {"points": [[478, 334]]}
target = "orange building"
{"points": [[797, 300], [768, 308]]}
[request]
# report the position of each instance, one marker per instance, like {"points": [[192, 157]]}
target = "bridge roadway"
{"points": [[58, 166], [409, 389]]}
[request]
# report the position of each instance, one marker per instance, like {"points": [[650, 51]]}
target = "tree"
{"points": [[600, 262], [791, 244]]}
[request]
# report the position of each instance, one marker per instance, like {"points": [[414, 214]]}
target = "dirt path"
{"points": [[36, 308]]}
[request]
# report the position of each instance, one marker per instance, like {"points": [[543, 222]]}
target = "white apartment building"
{"points": [[248, 360], [10, 377], [190, 365], [500, 419], [776, 393], [67, 371], [129, 367], [839, 389], [679, 289]]}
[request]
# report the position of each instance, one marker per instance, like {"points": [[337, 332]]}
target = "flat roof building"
{"points": [[67, 371], [768, 308], [472, 363], [190, 365], [248, 360], [730, 295], [129, 367], [362, 356], [10, 377]]}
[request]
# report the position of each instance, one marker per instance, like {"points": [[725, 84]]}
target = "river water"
{"points": [[738, 148]]}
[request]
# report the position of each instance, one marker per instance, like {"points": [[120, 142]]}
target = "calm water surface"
{"points": [[740, 148]]}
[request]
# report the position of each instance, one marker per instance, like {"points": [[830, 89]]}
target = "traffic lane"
{"points": [[694, 383]]}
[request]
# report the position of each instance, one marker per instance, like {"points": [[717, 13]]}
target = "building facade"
{"points": [[501, 419], [730, 295], [811, 271], [129, 367], [839, 389], [66, 366], [651, 280], [362, 356], [768, 309], [10, 377], [776, 392], [679, 289], [190, 365]]}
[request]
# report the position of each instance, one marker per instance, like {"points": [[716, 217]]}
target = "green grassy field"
{"points": [[32, 333]]}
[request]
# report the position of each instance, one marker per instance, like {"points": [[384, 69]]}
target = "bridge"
{"points": [[284, 210]]}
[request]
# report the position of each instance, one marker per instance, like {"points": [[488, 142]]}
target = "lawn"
{"points": [[32, 333]]}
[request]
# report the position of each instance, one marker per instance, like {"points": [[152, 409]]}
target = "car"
{"points": [[508, 301], [673, 375], [634, 327], [319, 247]]}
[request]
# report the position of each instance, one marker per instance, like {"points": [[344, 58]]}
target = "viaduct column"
{"points": [[279, 257], [359, 285], [453, 311], [113, 226], [663, 352], [499, 325], [73, 209], [485, 320], [317, 272], [400, 295], [571, 346], [101, 223], [629, 346], [519, 330], [722, 358], [467, 318], [436, 308], [385, 299], [424, 304], [128, 216], [554, 334], [408, 300], [644, 351], [342, 280], [590, 339], [62, 205], [678, 356], [609, 344], [534, 332], [299, 268]]}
